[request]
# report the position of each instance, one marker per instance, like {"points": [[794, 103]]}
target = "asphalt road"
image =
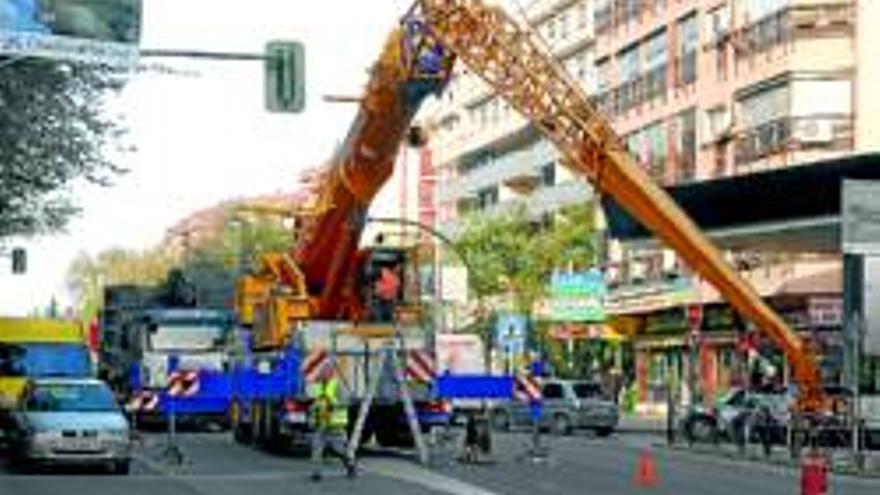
{"points": [[214, 465]]}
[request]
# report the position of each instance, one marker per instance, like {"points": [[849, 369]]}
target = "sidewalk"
{"points": [[840, 461]]}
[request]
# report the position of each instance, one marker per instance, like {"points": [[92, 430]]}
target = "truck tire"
{"points": [[240, 431]]}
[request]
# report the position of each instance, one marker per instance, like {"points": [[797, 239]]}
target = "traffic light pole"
{"points": [[284, 63]]}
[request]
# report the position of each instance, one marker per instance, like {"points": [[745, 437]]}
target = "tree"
{"points": [[87, 276], [214, 266], [513, 257], [53, 131]]}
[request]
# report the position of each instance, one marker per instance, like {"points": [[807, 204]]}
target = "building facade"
{"points": [[699, 90]]}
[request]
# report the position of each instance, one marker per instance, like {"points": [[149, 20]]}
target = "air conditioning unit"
{"points": [[638, 270], [814, 131], [670, 267]]}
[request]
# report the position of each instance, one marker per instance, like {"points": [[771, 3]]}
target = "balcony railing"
{"points": [[798, 21], [787, 134]]}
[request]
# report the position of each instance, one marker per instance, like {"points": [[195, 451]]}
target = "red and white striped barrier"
{"points": [[182, 383], [420, 366], [143, 401], [527, 389], [313, 364]]}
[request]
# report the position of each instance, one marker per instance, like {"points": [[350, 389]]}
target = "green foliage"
{"points": [[211, 267], [53, 131], [513, 255], [87, 276], [214, 266]]}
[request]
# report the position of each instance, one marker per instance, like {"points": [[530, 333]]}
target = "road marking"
{"points": [[404, 471]]}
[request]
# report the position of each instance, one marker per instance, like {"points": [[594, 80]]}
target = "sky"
{"points": [[205, 137]]}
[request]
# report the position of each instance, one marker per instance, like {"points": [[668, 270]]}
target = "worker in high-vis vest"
{"points": [[330, 421]]}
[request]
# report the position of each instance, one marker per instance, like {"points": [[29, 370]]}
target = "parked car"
{"points": [[64, 421], [567, 405], [766, 412]]}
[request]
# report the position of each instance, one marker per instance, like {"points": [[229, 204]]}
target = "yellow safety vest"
{"points": [[328, 413]]}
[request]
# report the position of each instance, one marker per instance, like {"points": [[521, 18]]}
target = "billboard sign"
{"points": [[92, 31], [578, 297], [860, 212]]}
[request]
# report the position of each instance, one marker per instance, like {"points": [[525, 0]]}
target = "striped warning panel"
{"points": [[143, 401], [420, 366], [313, 364], [527, 389], [183, 383]]}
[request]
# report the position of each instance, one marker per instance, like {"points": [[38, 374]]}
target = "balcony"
{"points": [[517, 169], [551, 199], [790, 134], [792, 23]]}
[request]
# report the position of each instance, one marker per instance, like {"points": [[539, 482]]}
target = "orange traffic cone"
{"points": [[646, 471]]}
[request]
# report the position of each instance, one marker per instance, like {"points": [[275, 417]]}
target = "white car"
{"points": [[70, 421]]}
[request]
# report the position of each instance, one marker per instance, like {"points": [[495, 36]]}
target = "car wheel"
{"points": [[122, 467], [501, 421], [702, 430], [604, 431], [561, 425]]}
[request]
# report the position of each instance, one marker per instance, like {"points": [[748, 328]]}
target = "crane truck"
{"points": [[319, 292], [328, 294]]}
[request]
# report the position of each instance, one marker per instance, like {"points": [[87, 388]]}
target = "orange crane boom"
{"points": [[505, 56], [409, 70]]}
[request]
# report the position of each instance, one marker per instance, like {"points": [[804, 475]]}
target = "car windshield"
{"points": [[189, 336], [71, 397], [587, 390], [44, 360]]}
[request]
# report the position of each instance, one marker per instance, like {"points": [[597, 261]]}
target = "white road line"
{"points": [[405, 471]]}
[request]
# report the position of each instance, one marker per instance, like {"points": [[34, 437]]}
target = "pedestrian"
{"points": [[477, 439], [331, 423]]}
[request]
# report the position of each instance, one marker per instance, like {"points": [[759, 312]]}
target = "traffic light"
{"points": [[19, 261], [285, 76]]}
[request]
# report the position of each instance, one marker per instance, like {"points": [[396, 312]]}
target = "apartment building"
{"points": [[489, 159]]}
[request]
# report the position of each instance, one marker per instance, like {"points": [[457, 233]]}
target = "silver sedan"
{"points": [[71, 421]]}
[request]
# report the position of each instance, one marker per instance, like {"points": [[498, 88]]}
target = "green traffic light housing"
{"points": [[19, 261], [285, 76]]}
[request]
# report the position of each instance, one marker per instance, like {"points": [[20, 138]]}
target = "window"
{"points": [[582, 14], [717, 122], [602, 16], [718, 23], [551, 30], [764, 116], [548, 175], [753, 10], [487, 197], [553, 391], [563, 24], [687, 50], [629, 74], [686, 145], [655, 150], [656, 58]]}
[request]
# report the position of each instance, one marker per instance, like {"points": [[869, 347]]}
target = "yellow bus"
{"points": [[36, 348]]}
